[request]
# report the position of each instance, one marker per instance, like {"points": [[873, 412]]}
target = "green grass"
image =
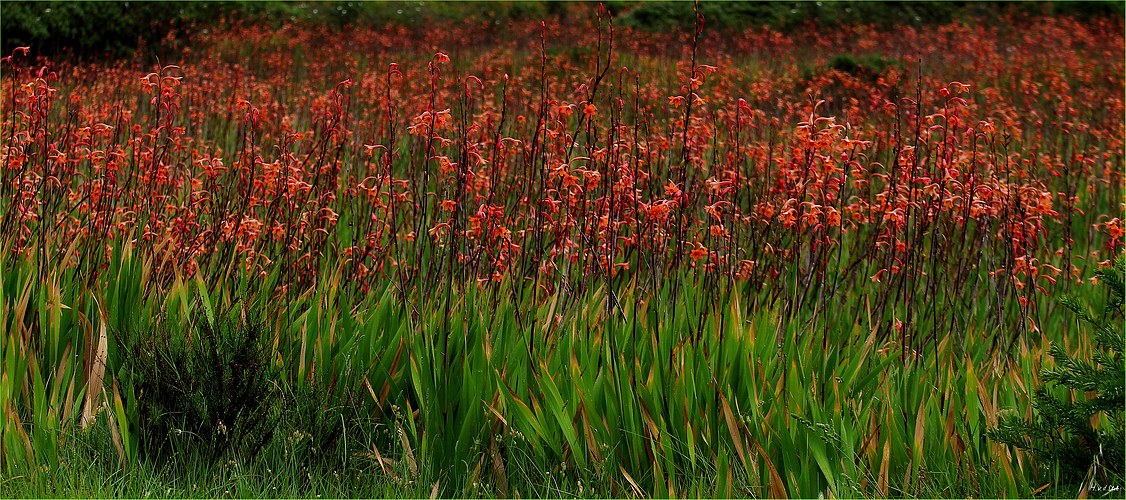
{"points": [[631, 399]]}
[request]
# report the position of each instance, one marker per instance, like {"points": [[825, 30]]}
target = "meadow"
{"points": [[556, 259]]}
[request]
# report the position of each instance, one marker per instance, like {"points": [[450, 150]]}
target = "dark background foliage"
{"points": [[116, 29], [795, 15]]}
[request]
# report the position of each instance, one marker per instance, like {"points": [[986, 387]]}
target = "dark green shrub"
{"points": [[1061, 432], [845, 63], [211, 389], [870, 65]]}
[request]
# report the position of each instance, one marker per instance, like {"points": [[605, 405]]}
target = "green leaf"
{"points": [[203, 296]]}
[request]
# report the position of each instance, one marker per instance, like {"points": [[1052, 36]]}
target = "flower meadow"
{"points": [[551, 259]]}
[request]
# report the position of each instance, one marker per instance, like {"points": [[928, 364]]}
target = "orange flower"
{"points": [[834, 217], [671, 189], [590, 110], [446, 164], [658, 210], [788, 218], [699, 252]]}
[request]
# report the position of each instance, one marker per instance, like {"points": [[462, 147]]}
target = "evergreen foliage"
{"points": [[1084, 436]]}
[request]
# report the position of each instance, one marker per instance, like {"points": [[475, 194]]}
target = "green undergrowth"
{"points": [[681, 388]]}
